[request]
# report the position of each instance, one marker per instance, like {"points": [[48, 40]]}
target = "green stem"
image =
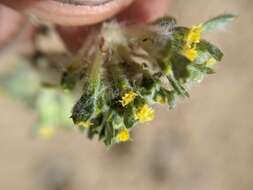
{"points": [[95, 72], [118, 76]]}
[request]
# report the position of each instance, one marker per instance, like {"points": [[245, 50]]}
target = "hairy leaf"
{"points": [[219, 22]]}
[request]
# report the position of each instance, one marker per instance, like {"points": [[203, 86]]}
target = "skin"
{"points": [[74, 22], [9, 21]]}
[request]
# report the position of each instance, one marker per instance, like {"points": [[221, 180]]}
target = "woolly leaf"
{"points": [[219, 22], [211, 49], [179, 89], [179, 67]]}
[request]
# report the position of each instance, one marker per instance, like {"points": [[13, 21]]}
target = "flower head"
{"points": [[144, 113], [128, 98], [85, 124], [190, 53], [123, 135], [194, 35]]}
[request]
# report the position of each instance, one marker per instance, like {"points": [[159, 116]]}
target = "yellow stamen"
{"points": [[123, 135], [85, 124], [194, 35], [128, 98], [211, 61], [144, 113], [190, 53], [46, 132]]}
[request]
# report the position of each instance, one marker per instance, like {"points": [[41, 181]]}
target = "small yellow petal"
{"points": [[144, 113], [160, 99], [85, 124], [191, 53], [46, 132], [211, 61], [128, 98], [194, 35], [123, 135]]}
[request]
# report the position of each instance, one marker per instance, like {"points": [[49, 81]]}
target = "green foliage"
{"points": [[130, 69], [53, 109], [21, 82], [52, 106], [89, 105], [206, 46], [219, 22]]}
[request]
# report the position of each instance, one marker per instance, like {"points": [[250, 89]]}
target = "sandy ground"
{"points": [[204, 144]]}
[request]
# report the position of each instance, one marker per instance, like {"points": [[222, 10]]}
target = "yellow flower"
{"points": [[123, 135], [46, 132], [128, 98], [190, 53], [211, 61], [194, 35], [85, 124], [144, 113], [161, 99]]}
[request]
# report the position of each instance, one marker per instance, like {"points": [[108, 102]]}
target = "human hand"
{"points": [[75, 19]]}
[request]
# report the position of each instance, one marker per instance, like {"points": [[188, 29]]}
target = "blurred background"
{"points": [[204, 144]]}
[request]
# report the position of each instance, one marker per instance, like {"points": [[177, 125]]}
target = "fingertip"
{"points": [[74, 37], [145, 11], [10, 22], [69, 14]]}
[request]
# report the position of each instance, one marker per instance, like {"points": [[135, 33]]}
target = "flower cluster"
{"points": [[192, 38], [131, 68]]}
